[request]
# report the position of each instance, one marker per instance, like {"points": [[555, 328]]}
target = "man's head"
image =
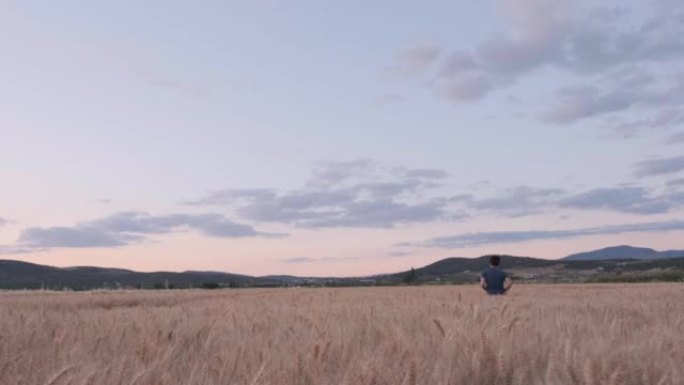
{"points": [[494, 260]]}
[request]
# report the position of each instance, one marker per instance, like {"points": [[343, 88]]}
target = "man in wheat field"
{"points": [[494, 280]]}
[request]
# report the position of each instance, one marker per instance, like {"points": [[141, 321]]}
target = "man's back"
{"points": [[495, 278]]}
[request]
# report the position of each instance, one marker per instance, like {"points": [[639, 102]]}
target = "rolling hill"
{"points": [[624, 252], [24, 275], [609, 263]]}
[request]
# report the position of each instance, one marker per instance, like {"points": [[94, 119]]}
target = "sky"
{"points": [[337, 138]]}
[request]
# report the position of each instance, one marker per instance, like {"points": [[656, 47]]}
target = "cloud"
{"points": [[125, 228], [526, 200], [3, 222], [458, 63], [466, 88], [74, 237], [426, 173], [668, 117], [660, 166], [619, 58], [231, 196], [326, 173], [297, 260], [13, 249], [515, 202], [362, 194], [676, 138], [636, 200], [416, 60], [676, 182], [343, 194], [488, 238], [399, 253], [621, 90], [580, 102]]}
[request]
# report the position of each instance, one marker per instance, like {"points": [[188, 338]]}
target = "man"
{"points": [[494, 280]]}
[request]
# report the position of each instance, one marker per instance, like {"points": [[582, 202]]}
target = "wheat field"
{"points": [[539, 334]]}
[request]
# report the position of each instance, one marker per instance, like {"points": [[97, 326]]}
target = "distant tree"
{"points": [[210, 285], [411, 277]]}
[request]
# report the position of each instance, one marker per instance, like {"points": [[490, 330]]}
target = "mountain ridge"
{"points": [[623, 252], [614, 260]]}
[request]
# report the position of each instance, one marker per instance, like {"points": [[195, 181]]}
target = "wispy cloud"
{"points": [[660, 166], [344, 194], [365, 194], [307, 260], [416, 60], [636, 200], [619, 63], [676, 138], [676, 182], [126, 228], [488, 238], [516, 202]]}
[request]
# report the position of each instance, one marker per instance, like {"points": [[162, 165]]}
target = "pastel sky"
{"points": [[337, 137]]}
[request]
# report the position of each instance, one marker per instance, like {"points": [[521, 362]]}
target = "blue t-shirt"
{"points": [[495, 278]]}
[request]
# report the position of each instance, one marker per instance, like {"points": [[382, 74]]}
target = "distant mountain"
{"points": [[624, 252], [613, 263], [457, 265], [24, 275], [463, 270]]}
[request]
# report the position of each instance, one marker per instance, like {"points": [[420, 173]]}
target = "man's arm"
{"points": [[508, 282], [483, 283]]}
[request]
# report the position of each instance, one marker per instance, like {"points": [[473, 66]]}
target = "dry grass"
{"points": [[546, 334]]}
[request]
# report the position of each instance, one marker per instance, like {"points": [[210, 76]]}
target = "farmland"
{"points": [[538, 334]]}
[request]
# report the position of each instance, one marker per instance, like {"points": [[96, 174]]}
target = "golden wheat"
{"points": [[542, 334]]}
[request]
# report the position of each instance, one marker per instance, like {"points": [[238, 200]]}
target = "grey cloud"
{"points": [[659, 166], [575, 103], [214, 225], [676, 182], [340, 209], [316, 260], [462, 198], [399, 253], [416, 60], [581, 102], [582, 39], [3, 221], [334, 173], [519, 201], [666, 118], [467, 88], [381, 214], [74, 237], [344, 194], [225, 197], [354, 194], [676, 138], [487, 238], [14, 249], [526, 200], [298, 260], [622, 199], [429, 173], [458, 63], [125, 228], [537, 28]]}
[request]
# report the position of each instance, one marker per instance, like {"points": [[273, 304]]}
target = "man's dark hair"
{"points": [[494, 260]]}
